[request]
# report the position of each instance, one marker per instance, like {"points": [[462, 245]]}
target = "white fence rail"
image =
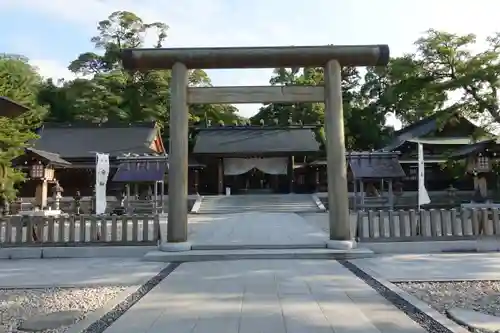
{"points": [[439, 224], [80, 230]]}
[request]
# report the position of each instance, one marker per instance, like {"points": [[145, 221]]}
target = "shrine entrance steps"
{"points": [[289, 203], [255, 235]]}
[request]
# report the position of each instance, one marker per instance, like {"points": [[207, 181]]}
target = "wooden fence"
{"points": [[432, 224], [80, 230]]}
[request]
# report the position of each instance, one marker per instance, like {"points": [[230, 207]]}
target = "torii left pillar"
{"points": [[178, 162]]}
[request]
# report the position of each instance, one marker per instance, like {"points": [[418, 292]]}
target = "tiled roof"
{"points": [[10, 108], [84, 140], [49, 157], [132, 172], [471, 149], [375, 166], [417, 129], [431, 124], [255, 140]]}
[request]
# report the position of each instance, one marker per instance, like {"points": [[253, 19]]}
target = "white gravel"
{"points": [[17, 305], [482, 296]]}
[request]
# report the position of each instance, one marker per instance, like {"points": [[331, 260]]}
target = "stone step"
{"points": [[221, 255], [257, 206], [235, 211], [264, 200], [257, 203], [238, 246]]}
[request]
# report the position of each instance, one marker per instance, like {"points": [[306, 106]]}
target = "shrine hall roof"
{"points": [[81, 140], [367, 165], [131, 172], [49, 157], [471, 149], [256, 140], [10, 108]]}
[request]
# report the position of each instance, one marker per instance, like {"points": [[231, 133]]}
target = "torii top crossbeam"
{"points": [[255, 57]]}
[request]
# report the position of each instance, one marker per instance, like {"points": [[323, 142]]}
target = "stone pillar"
{"points": [[338, 202], [178, 159]]}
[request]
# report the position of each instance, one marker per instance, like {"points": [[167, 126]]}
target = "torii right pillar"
{"points": [[338, 196]]}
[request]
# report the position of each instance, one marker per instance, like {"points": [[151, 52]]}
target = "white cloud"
{"points": [[51, 69]]}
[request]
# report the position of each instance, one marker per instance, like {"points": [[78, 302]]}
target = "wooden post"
{"points": [[128, 194], [316, 180], [290, 174], [355, 192], [178, 159], [196, 180], [390, 193], [41, 194], [340, 230], [362, 192], [220, 176]]}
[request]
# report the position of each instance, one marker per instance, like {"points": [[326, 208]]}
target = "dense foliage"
{"points": [[443, 74], [19, 82]]}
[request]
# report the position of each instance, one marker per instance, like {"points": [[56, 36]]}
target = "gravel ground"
{"points": [[17, 305], [482, 296]]}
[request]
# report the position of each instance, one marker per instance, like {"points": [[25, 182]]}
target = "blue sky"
{"points": [[52, 33]]}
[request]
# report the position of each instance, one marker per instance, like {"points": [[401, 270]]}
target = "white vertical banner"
{"points": [[423, 196], [101, 180]]}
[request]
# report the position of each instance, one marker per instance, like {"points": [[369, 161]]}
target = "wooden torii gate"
{"points": [[180, 60]]}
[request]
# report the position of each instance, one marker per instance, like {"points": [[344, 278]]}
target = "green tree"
{"points": [[444, 74], [19, 82], [109, 92], [450, 65], [363, 125]]}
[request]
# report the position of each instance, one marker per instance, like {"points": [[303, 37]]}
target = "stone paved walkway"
{"points": [[253, 228], [271, 296]]}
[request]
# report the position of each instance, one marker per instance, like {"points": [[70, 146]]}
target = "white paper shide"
{"points": [[423, 195], [101, 180]]}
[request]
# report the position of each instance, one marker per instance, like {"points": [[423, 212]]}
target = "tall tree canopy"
{"points": [[447, 72], [364, 123], [109, 93], [19, 82]]}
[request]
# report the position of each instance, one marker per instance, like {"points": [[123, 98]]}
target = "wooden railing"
{"points": [[80, 230], [441, 224]]}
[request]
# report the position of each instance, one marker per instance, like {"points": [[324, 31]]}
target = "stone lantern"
{"points": [[57, 195], [398, 189], [452, 193], [77, 197], [42, 174], [42, 166], [478, 166]]}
